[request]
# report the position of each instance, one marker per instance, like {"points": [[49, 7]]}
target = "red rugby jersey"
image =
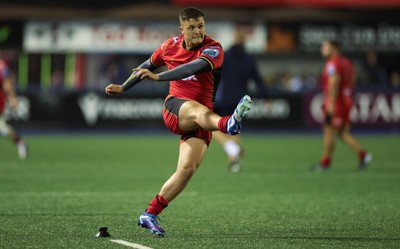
{"points": [[345, 69], [200, 87], [4, 73]]}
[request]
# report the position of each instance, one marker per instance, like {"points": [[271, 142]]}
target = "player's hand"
{"points": [[145, 73], [113, 89]]}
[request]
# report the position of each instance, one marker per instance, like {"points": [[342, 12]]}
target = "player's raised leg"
{"points": [[193, 115]]}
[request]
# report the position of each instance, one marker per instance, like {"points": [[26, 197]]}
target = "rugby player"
{"points": [[338, 79], [7, 95], [194, 63]]}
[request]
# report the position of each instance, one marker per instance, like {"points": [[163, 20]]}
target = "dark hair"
{"points": [[189, 13], [334, 43]]}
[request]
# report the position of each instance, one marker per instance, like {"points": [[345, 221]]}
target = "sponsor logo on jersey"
{"points": [[193, 78], [330, 69], [211, 52], [176, 39]]}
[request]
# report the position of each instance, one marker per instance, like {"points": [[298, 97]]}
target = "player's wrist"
{"points": [[124, 87]]}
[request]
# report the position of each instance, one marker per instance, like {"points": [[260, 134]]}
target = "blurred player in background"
{"points": [[194, 61], [7, 95], [239, 68], [338, 79]]}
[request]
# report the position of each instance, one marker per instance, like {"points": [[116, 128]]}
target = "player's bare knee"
{"points": [[188, 170]]}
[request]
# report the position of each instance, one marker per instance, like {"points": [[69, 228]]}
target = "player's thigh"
{"points": [[188, 114], [191, 153]]}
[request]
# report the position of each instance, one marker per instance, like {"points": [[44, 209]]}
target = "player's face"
{"points": [[326, 49], [193, 31]]}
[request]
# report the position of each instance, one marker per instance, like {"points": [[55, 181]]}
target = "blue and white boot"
{"points": [[234, 122], [149, 222]]}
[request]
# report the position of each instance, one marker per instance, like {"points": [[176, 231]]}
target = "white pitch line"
{"points": [[129, 244]]}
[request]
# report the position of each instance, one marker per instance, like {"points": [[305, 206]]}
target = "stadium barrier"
{"points": [[88, 110]]}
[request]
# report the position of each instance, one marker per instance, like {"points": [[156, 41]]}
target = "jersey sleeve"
{"points": [[214, 55], [332, 67], [157, 57]]}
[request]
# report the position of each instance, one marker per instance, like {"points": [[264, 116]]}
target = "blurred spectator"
{"points": [[114, 70], [295, 84], [301, 83], [57, 80], [395, 79], [281, 81], [373, 71], [309, 81]]}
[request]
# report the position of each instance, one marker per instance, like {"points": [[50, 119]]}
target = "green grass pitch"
{"points": [[72, 185]]}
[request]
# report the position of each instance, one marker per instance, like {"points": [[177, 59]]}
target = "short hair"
{"points": [[334, 43], [189, 13]]}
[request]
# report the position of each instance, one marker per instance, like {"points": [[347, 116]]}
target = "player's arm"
{"points": [[131, 81], [333, 89], [185, 70]]}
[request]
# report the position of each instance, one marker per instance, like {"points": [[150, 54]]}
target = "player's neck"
{"points": [[189, 45], [333, 55]]}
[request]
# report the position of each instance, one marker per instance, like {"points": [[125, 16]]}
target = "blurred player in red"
{"points": [[7, 94], [194, 63], [338, 79]]}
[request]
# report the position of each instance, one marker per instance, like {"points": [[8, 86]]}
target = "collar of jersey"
{"points": [[184, 44]]}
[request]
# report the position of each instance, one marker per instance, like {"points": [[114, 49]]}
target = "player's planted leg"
{"points": [[148, 219]]}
